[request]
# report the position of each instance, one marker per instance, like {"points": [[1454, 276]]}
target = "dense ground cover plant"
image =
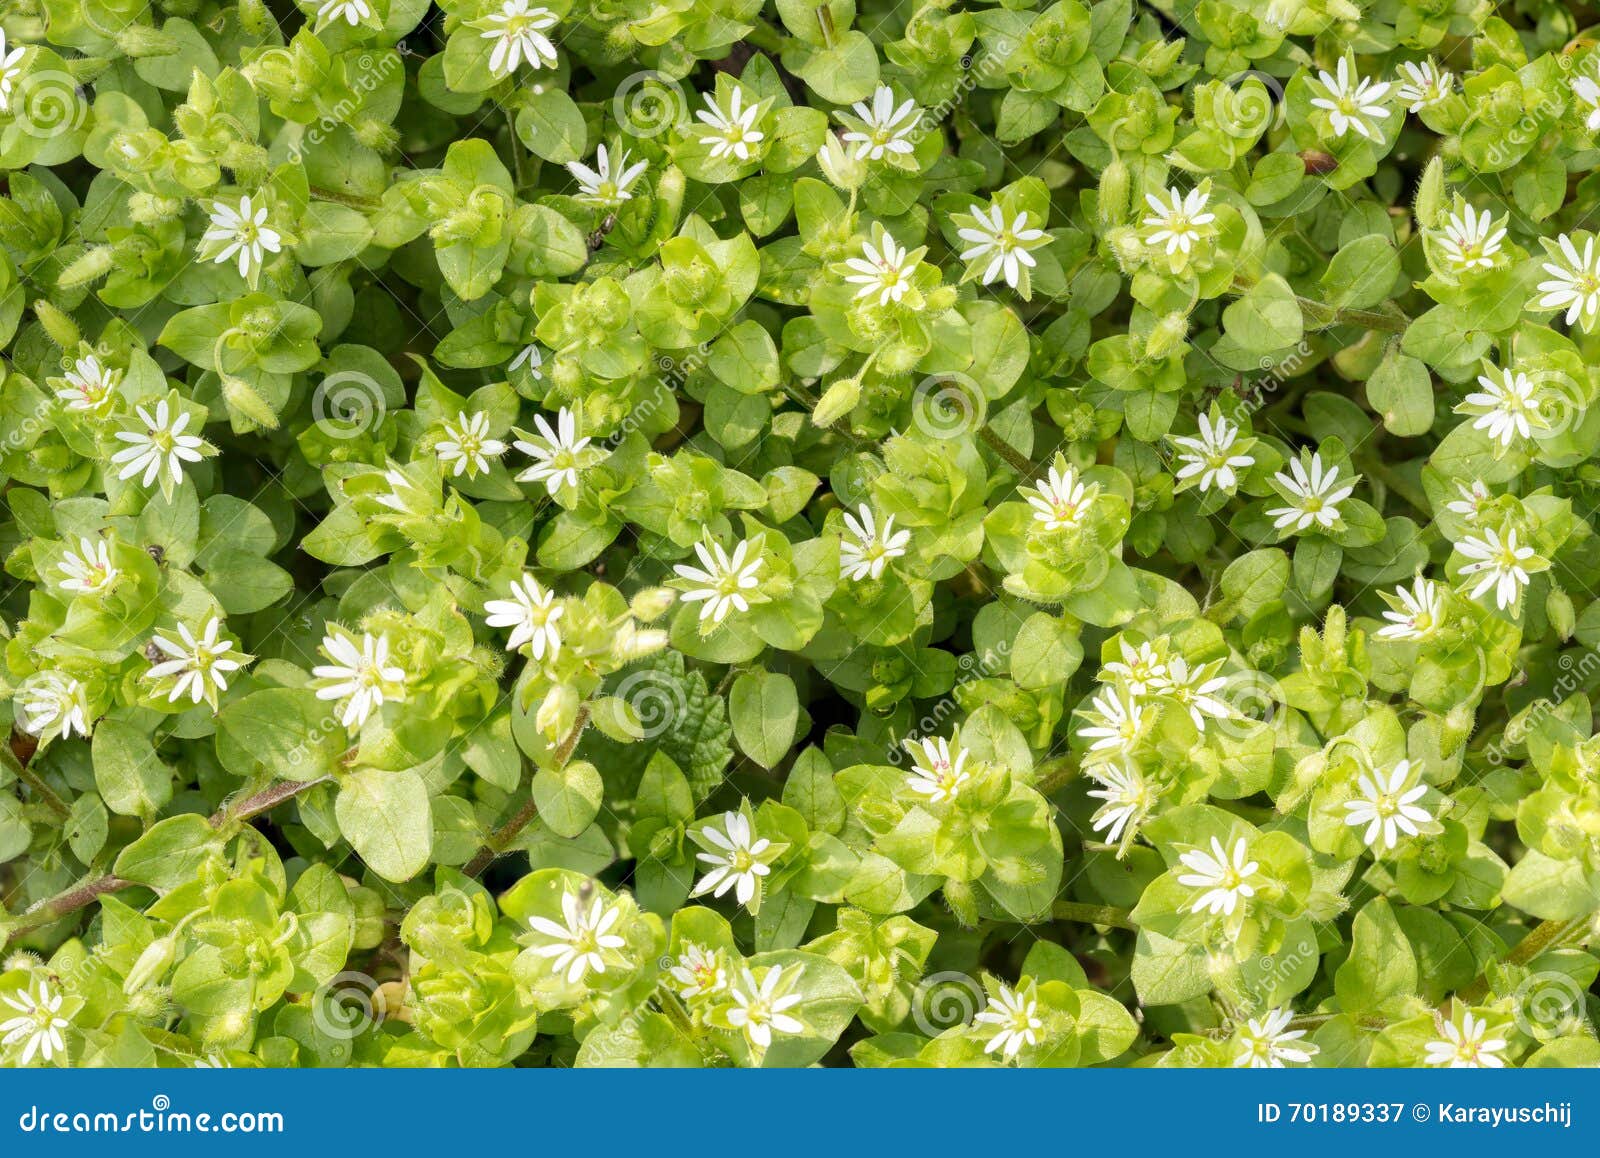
{"points": [[723, 533]]}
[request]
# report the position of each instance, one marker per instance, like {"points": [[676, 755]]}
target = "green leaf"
{"points": [[763, 709]]}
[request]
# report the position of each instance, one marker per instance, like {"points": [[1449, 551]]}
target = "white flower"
{"points": [[403, 493], [866, 551], [759, 1010], [1014, 1014], [90, 385], [1425, 84], [519, 35], [1139, 668], [1574, 285], [721, 580], [1316, 496], [531, 613], [1387, 807], [1120, 723], [885, 128], [581, 943], [1004, 244], [1507, 409], [201, 665], [1588, 94], [1500, 562], [8, 69], [1467, 1047], [883, 269], [1415, 614], [1060, 501], [1127, 795], [1349, 104], [528, 356], [735, 130], [1471, 239], [1176, 221], [559, 453], [242, 231], [1211, 457], [699, 972], [935, 773], [164, 443], [89, 570], [599, 185], [55, 703], [467, 447], [38, 1022], [734, 854], [1193, 690], [1268, 1043], [212, 1061], [352, 12], [1474, 497], [1225, 879], [363, 677]]}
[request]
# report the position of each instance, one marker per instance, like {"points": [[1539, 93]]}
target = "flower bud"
{"points": [[90, 267], [1167, 335], [152, 964], [1431, 195], [1558, 609], [837, 401], [152, 209], [652, 603], [58, 325], [1115, 185], [839, 165]]}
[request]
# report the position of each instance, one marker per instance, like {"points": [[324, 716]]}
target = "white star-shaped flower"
{"points": [[363, 677], [1210, 457], [352, 12], [1501, 562], [1060, 501], [38, 1024], [163, 443], [1471, 240], [936, 772], [734, 131], [1574, 282], [1314, 497], [201, 665], [1467, 1046], [734, 855], [866, 551], [1425, 84], [88, 570], [1387, 807], [1140, 667], [883, 269], [1225, 879], [1193, 689], [1351, 101], [55, 704], [531, 613], [762, 1009], [1127, 798], [519, 35], [1474, 498], [1014, 1016], [1115, 723], [885, 126], [1267, 1043], [721, 580], [1177, 222], [1588, 94], [1004, 243], [1507, 407], [1415, 614], [579, 946], [600, 186], [90, 386], [466, 447], [241, 231], [699, 972], [559, 455], [9, 60], [531, 357]]}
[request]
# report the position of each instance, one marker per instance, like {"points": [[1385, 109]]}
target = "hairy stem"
{"points": [[501, 838], [1092, 914]]}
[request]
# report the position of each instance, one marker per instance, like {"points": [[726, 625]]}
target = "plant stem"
{"points": [[1546, 935], [42, 790], [263, 801], [1393, 322], [365, 204], [1014, 458], [502, 837], [1092, 914]]}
